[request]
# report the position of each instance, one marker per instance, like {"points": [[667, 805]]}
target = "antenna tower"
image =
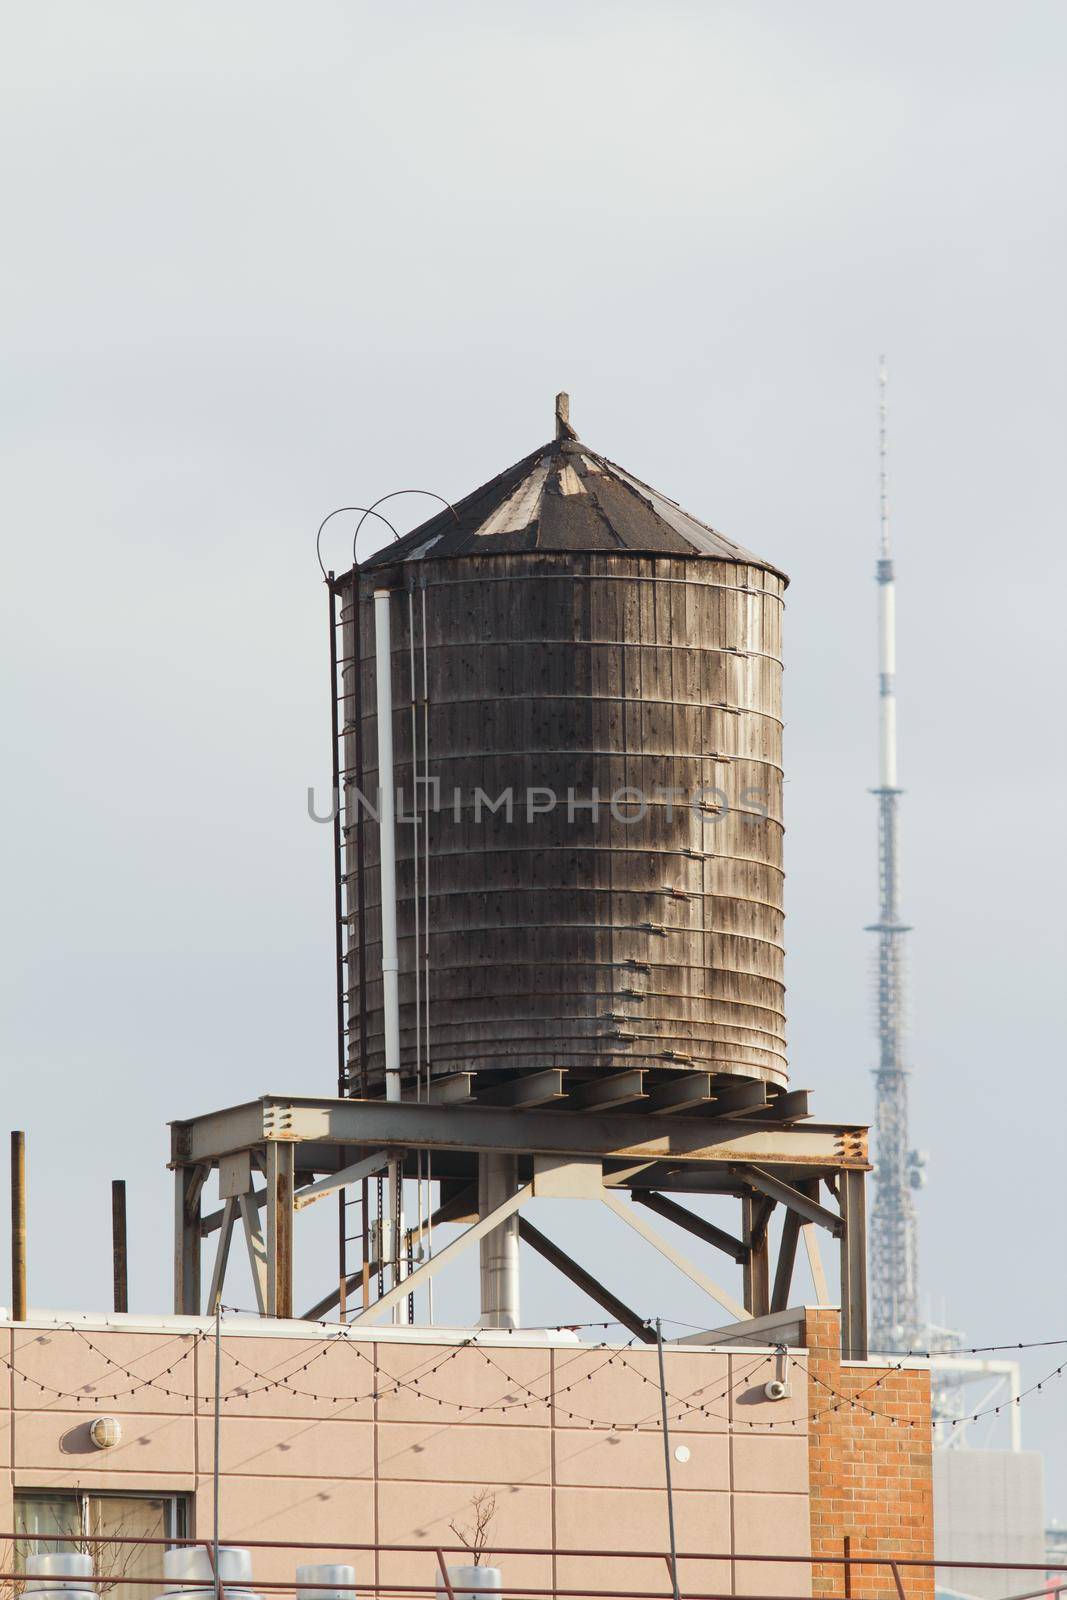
{"points": [[894, 1284]]}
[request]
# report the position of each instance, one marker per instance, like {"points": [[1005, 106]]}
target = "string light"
{"points": [[412, 1384]]}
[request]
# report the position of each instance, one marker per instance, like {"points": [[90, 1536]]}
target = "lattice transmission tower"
{"points": [[894, 1278]]}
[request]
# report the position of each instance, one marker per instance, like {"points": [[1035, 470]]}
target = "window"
{"points": [[46, 1520]]}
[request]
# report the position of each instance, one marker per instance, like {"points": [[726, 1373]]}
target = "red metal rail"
{"points": [[893, 1566]]}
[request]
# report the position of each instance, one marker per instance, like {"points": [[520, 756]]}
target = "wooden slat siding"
{"points": [[612, 672]]}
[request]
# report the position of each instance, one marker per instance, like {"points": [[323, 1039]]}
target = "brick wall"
{"points": [[871, 1479]]}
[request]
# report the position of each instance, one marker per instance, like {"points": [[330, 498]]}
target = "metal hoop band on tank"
{"points": [[393, 495], [363, 512]]}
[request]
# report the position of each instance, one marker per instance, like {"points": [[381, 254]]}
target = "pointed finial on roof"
{"points": [[563, 417]]}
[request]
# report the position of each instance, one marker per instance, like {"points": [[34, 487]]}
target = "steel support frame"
{"points": [[762, 1163]]}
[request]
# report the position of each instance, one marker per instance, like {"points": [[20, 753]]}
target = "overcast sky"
{"points": [[262, 260]]}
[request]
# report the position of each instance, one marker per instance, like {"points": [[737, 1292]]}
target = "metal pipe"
{"points": [[426, 924], [498, 1179], [383, 669], [338, 865], [216, 1472], [341, 966], [18, 1227], [356, 718], [387, 845], [118, 1244], [667, 1459]]}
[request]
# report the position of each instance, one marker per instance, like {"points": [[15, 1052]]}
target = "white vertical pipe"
{"points": [[383, 683], [498, 1178]]}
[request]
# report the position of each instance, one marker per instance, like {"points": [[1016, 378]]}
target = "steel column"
{"points": [[852, 1192], [787, 1254], [188, 1182], [280, 1173], [755, 1214]]}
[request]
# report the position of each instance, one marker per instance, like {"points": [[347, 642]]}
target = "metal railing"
{"points": [[438, 1582]]}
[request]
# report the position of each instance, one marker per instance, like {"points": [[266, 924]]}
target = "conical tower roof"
{"points": [[564, 497]]}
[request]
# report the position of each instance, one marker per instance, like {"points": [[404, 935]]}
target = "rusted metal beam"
{"points": [[778, 1189], [450, 1090], [339, 1180], [538, 1089], [744, 1099], [213, 1220], [455, 1247], [787, 1255], [688, 1219], [585, 1281], [418, 1125], [755, 1214], [613, 1089], [675, 1257], [257, 1249], [222, 1253], [792, 1107], [683, 1094]]}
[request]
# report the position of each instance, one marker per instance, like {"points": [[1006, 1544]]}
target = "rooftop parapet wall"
{"points": [[385, 1439], [566, 1435]]}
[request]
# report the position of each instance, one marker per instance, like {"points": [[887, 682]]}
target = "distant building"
{"points": [[989, 1505]]}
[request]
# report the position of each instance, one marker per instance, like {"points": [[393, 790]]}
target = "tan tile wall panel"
{"points": [[764, 1461], [63, 1360], [626, 1389], [595, 1458], [290, 1447], [524, 1516], [457, 1452], [335, 1511], [58, 1442], [772, 1524], [636, 1519], [325, 1379], [492, 1387], [750, 1408]]}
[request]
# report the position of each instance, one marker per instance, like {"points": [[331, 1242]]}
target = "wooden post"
{"points": [[118, 1244], [18, 1227]]}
